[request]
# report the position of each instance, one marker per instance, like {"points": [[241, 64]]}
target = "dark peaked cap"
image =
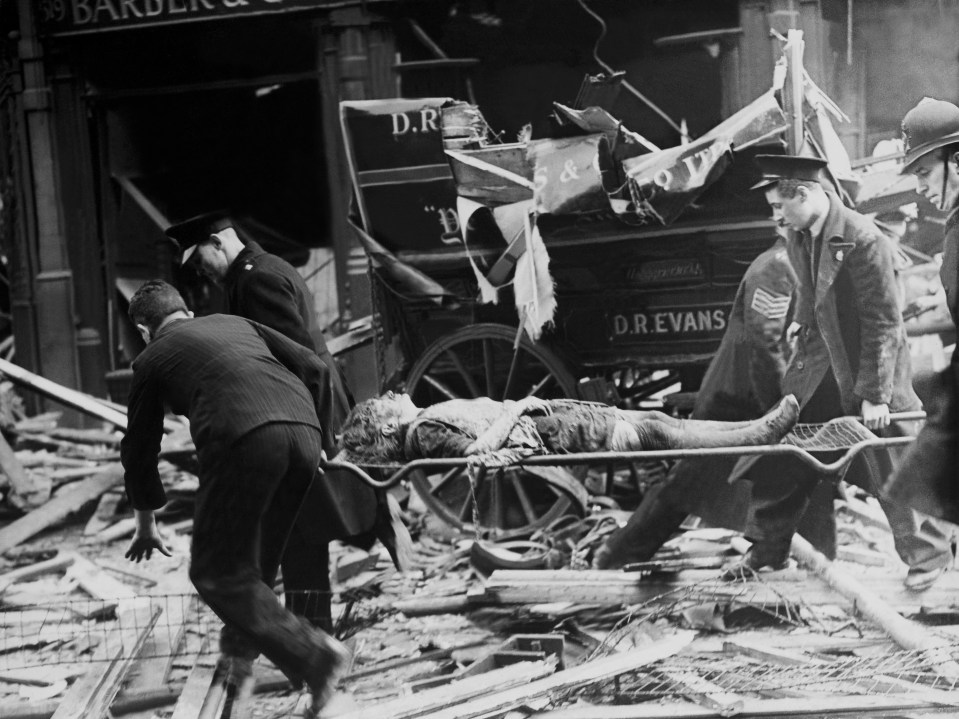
{"points": [[189, 233], [788, 167]]}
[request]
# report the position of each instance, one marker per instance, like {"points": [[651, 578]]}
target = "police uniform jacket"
{"points": [[266, 288], [229, 376], [928, 479], [848, 305]]}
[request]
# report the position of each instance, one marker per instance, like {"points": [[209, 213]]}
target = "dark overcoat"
{"points": [[266, 288], [850, 316]]}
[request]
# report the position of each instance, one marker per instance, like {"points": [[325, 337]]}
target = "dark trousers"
{"points": [[306, 574], [247, 502], [782, 487], [700, 486]]}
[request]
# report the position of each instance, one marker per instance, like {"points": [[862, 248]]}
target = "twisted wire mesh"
{"points": [[76, 630], [839, 433], [895, 673]]}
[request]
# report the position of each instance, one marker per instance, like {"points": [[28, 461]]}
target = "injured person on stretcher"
{"points": [[391, 429]]}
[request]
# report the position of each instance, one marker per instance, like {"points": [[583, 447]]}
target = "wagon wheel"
{"points": [[480, 361]]}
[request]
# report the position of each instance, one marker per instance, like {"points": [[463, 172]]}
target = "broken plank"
{"points": [[425, 606], [91, 695], [127, 571], [105, 513], [97, 583], [203, 693], [60, 562], [457, 692], [607, 587], [582, 675], [70, 397], [765, 653], [66, 502]]}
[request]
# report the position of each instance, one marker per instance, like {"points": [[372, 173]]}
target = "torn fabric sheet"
{"points": [[533, 286], [466, 208]]}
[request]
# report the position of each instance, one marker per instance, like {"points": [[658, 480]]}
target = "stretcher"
{"points": [[845, 434], [512, 500]]}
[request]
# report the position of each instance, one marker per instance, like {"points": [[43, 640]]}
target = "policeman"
{"points": [[267, 289], [926, 479]]}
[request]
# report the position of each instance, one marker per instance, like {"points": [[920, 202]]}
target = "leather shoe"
{"points": [[919, 580]]}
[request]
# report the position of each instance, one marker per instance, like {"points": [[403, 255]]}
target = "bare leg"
{"points": [[653, 433]]}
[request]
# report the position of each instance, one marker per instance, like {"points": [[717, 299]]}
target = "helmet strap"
{"points": [[945, 175]]}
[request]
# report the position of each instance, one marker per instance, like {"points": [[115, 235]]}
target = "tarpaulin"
{"points": [[406, 277], [568, 174]]}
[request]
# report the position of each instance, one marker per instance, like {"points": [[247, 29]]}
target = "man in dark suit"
{"points": [[266, 288], [252, 397], [851, 358]]}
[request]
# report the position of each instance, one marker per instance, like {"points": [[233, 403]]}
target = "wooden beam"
{"points": [[458, 692], [60, 562], [97, 583], [582, 675], [64, 395], [204, 686], [66, 502], [907, 634]]}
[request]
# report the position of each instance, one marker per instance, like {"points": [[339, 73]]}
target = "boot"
{"points": [[328, 663], [773, 555], [653, 522]]}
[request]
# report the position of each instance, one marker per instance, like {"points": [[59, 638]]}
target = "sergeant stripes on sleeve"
{"points": [[771, 305]]}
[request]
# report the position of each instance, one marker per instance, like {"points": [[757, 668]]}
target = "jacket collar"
{"points": [[166, 328], [953, 218], [249, 252], [835, 222]]}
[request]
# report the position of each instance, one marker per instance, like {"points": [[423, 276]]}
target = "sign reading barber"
{"points": [[70, 17]]}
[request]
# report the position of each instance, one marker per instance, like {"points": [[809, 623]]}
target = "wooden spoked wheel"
{"points": [[480, 361]]}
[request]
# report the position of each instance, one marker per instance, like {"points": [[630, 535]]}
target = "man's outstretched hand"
{"points": [[146, 538]]}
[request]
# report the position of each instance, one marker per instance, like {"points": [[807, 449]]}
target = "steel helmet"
{"points": [[928, 126]]}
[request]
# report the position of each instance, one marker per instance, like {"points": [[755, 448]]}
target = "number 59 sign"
{"points": [[568, 174]]}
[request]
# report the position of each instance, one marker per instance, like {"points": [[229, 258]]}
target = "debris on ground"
{"points": [[519, 627]]}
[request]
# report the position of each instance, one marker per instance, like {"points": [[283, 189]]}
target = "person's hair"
{"points": [[789, 187], [362, 437], [153, 303]]}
